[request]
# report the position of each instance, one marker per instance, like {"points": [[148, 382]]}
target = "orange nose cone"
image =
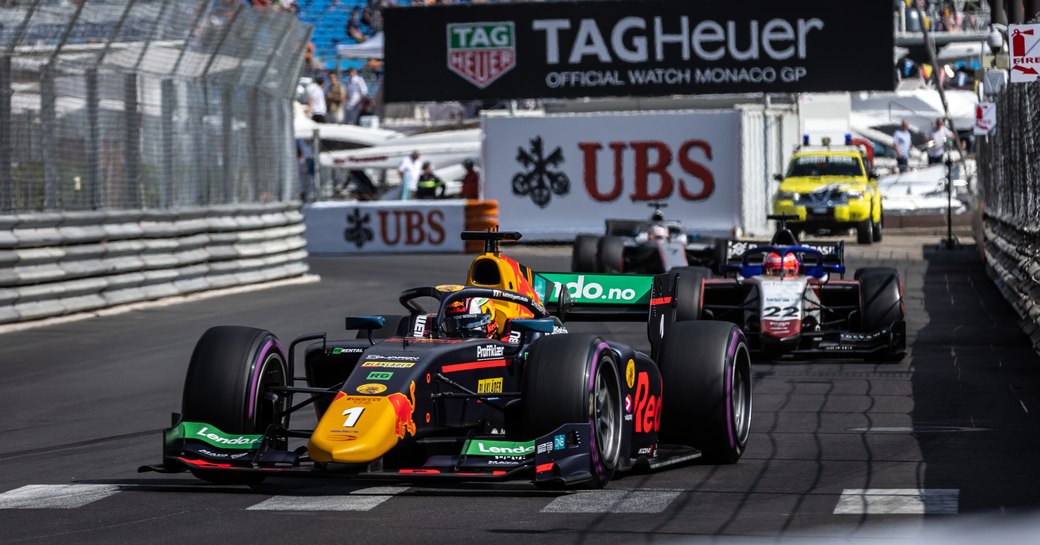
{"points": [[360, 429]]}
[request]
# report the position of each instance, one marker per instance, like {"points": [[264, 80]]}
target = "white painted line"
{"points": [[365, 499], [898, 501], [55, 496], [613, 501]]}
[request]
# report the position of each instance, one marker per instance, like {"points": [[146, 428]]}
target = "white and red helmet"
{"points": [[776, 265]]}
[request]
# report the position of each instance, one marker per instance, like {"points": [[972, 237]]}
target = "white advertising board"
{"points": [[384, 226], [555, 176]]}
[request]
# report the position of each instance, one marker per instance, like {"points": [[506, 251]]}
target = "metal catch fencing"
{"points": [[1009, 189], [146, 104]]}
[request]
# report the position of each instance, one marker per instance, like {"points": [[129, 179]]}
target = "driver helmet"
{"points": [[775, 265], [472, 318], [658, 215]]}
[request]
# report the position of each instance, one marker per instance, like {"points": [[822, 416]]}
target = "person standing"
{"points": [[357, 90], [410, 168], [429, 186], [316, 99], [470, 181], [940, 135], [335, 97], [901, 142]]}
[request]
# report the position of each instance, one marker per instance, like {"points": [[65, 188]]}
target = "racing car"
{"points": [[791, 299], [490, 386], [639, 246]]}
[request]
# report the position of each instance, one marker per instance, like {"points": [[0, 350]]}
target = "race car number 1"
{"points": [[352, 414]]}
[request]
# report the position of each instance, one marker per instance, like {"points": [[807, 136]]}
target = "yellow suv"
{"points": [[831, 189]]}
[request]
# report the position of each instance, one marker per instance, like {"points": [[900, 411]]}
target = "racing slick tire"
{"points": [[583, 256], [873, 270], [881, 305], [556, 391], [864, 232], [689, 289], [706, 371], [610, 254], [391, 328], [230, 369]]}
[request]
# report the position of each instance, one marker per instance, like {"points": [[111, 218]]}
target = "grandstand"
{"points": [[329, 18]]}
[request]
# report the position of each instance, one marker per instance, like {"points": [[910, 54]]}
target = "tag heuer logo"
{"points": [[481, 52]]}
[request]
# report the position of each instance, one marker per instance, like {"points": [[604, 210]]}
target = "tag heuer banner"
{"points": [[635, 48]]}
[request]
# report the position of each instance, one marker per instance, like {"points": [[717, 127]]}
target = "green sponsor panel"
{"points": [[610, 289], [483, 447], [480, 35], [380, 375], [210, 434]]}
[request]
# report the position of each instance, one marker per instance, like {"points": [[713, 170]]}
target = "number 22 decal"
{"points": [[780, 312]]}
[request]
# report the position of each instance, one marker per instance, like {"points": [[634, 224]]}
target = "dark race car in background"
{"points": [[813, 313], [640, 246], [502, 393]]}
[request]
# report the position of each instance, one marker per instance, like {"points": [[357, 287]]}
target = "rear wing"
{"points": [[596, 297], [833, 252]]}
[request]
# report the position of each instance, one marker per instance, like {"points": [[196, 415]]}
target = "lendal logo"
{"points": [[481, 52], [542, 178], [358, 231]]}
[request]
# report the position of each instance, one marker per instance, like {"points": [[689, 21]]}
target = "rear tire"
{"points": [[881, 306], [688, 291], [864, 232], [556, 385], [611, 255], [230, 369], [706, 369], [876, 230], [583, 256]]}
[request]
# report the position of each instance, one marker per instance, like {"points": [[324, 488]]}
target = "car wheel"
{"points": [[583, 255], [864, 232], [611, 255], [881, 305], [575, 378], [230, 371], [706, 370], [876, 230], [688, 290]]}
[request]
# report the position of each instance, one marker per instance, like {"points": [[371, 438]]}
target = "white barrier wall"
{"points": [[558, 175], [356, 227]]}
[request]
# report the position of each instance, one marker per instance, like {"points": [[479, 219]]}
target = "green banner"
{"points": [[609, 289], [483, 447], [210, 434]]}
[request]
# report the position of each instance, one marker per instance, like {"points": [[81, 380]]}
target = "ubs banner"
{"points": [[384, 226], [636, 47], [560, 175]]}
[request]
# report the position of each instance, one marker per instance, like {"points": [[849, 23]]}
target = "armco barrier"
{"points": [[1013, 262], [61, 263]]}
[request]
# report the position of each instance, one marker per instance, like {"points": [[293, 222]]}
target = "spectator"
{"points": [[940, 135], [470, 181], [429, 185], [409, 169], [305, 168], [316, 99], [354, 27], [357, 91], [901, 142], [335, 96]]}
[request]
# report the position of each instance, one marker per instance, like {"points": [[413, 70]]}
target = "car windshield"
{"points": [[834, 165]]}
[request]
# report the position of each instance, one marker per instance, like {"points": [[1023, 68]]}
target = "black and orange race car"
{"points": [[489, 386]]}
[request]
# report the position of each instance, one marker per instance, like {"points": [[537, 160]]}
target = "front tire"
{"points": [[575, 378], [876, 231], [864, 232], [231, 369], [583, 256], [881, 306], [706, 369]]}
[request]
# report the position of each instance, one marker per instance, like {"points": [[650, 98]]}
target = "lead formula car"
{"points": [[489, 386]]}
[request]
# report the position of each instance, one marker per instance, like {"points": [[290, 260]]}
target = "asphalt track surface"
{"points": [[941, 447]]}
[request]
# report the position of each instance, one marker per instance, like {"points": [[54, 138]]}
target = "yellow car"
{"points": [[830, 189]]}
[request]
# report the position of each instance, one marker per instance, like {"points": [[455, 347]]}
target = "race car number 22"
{"points": [[778, 312]]}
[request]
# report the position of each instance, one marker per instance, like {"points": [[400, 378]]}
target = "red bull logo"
{"points": [[403, 409]]}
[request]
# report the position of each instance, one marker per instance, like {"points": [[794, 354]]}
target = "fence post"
{"points": [[168, 107], [132, 143], [227, 116], [93, 143], [6, 180], [49, 145]]}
